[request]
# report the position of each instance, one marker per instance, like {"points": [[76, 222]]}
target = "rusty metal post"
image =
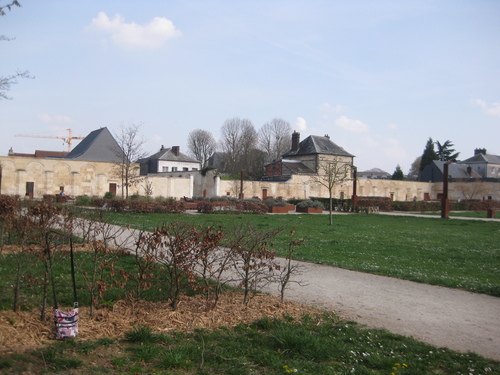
{"points": [[354, 186], [241, 184], [445, 202]]}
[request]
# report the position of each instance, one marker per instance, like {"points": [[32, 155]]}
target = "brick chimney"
{"points": [[176, 150], [295, 141], [478, 151]]}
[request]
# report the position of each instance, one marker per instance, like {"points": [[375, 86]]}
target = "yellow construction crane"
{"points": [[67, 139]]}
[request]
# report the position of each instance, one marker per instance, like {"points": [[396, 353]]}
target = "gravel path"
{"points": [[444, 317]]}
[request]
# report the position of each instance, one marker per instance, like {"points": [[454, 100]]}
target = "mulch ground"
{"points": [[25, 330]]}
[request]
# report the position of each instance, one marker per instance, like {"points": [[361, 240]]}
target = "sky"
{"points": [[380, 77]]}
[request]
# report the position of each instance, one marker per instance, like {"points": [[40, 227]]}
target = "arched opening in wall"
{"points": [[342, 195], [392, 197]]}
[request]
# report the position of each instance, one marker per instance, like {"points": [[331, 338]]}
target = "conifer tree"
{"points": [[398, 174], [428, 155]]}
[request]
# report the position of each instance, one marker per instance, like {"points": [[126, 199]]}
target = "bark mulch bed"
{"points": [[25, 330]]}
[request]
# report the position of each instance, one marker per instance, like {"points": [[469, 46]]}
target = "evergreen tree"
{"points": [[398, 174], [428, 155], [445, 152]]}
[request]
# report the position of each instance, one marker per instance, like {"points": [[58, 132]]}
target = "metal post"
{"points": [[354, 186], [241, 183], [445, 202]]}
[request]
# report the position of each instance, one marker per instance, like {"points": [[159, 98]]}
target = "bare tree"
{"points": [[472, 189], [129, 151], [275, 138], [414, 169], [7, 81], [201, 144], [332, 171], [238, 139], [9, 6]]}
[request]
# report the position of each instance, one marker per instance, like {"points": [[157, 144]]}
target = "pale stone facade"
{"points": [[36, 177], [46, 176]]}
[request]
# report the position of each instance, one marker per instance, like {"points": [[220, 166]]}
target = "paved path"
{"points": [[443, 317]]}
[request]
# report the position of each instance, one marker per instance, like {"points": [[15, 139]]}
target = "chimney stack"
{"points": [[295, 141], [478, 151], [175, 150]]}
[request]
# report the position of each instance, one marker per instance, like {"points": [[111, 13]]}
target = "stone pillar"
{"points": [[21, 182], [216, 186], [191, 186], [49, 183]]}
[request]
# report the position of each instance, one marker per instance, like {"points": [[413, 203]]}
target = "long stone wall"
{"points": [[94, 179], [37, 177]]}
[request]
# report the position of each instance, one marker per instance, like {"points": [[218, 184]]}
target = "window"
{"points": [[185, 169], [194, 169], [174, 169], [165, 169]]}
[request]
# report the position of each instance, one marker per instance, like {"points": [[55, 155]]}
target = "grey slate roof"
{"points": [[315, 144], [99, 145], [482, 159], [168, 155], [434, 172], [293, 167]]}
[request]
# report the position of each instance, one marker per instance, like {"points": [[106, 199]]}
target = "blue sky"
{"points": [[380, 77]]}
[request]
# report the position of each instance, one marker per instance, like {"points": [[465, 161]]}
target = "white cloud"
{"points": [[493, 109], [392, 126], [394, 150], [301, 124], [152, 35], [354, 126], [329, 109], [58, 119]]}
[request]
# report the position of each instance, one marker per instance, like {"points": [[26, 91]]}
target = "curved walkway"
{"points": [[443, 317]]}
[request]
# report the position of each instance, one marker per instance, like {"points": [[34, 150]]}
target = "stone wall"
{"points": [[94, 179]]}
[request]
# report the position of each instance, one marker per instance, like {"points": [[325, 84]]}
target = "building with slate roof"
{"points": [[305, 157], [375, 173], [168, 160], [481, 166], [99, 145], [484, 164], [456, 172]]}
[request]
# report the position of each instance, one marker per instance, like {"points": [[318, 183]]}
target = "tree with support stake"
{"points": [[332, 172]]}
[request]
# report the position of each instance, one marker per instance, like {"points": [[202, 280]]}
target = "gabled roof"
{"points": [[99, 145], [168, 154], [435, 171], [482, 159], [315, 144]]}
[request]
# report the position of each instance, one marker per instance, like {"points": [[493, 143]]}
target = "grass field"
{"points": [[320, 345], [454, 253], [472, 214]]}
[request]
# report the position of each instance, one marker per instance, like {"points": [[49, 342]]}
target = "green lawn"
{"points": [[472, 214], [455, 253], [313, 345]]}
